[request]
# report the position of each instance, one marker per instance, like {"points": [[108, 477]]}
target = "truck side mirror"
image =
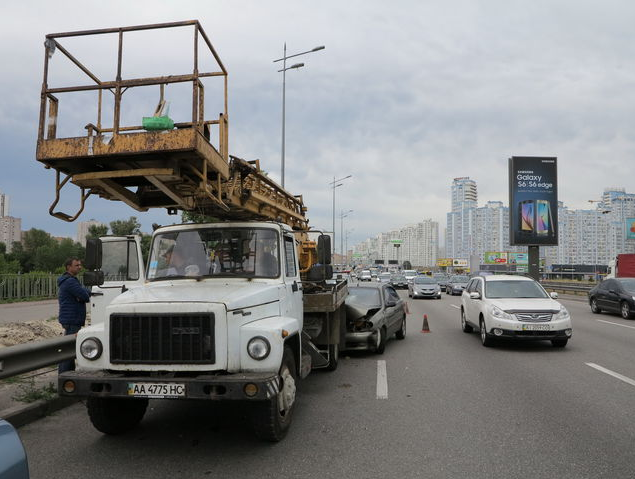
{"points": [[93, 254], [324, 249], [93, 278]]}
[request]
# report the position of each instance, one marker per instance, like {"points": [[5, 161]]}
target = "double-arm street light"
{"points": [[334, 184], [343, 214], [284, 74]]}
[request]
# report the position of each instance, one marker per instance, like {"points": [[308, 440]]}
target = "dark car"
{"points": [[442, 279], [456, 284], [13, 463], [399, 281], [614, 295], [373, 314]]}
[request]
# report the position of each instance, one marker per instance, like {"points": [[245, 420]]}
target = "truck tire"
{"points": [[115, 415], [272, 418], [334, 357]]}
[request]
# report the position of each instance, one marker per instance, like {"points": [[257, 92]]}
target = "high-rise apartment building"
{"points": [[10, 231], [4, 205], [459, 239], [82, 230]]}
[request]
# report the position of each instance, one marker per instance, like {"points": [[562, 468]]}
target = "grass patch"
{"points": [[29, 392]]}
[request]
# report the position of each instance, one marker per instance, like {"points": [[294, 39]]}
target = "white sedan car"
{"points": [[513, 307]]}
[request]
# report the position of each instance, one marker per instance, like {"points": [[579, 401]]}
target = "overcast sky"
{"points": [[406, 96]]}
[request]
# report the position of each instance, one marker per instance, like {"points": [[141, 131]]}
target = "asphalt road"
{"points": [[450, 408], [28, 311]]}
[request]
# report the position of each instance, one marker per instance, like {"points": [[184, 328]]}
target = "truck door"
{"points": [[122, 265], [292, 305]]}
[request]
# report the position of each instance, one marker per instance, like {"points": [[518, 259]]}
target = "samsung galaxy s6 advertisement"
{"points": [[533, 201]]}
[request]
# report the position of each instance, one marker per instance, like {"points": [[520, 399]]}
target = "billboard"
{"points": [[461, 263], [518, 258], [495, 257], [630, 228], [444, 262], [533, 201]]}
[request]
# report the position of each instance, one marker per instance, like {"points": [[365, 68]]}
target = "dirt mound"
{"points": [[18, 333]]}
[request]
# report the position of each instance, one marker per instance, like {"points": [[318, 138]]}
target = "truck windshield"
{"points": [[218, 252]]}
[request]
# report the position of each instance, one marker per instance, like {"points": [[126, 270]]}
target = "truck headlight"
{"points": [[91, 348], [258, 348]]}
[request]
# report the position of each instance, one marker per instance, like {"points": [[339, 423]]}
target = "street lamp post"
{"points": [[343, 214], [334, 185], [346, 243], [284, 74]]}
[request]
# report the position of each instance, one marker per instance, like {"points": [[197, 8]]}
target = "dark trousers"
{"points": [[69, 364]]}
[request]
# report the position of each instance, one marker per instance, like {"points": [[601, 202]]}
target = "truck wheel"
{"points": [[334, 357], [272, 418], [115, 415], [401, 334], [380, 345]]}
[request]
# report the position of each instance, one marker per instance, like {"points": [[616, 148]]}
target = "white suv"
{"points": [[513, 307]]}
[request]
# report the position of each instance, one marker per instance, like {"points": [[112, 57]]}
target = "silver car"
{"points": [[374, 313], [424, 287]]}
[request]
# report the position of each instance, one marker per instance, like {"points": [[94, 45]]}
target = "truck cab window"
{"points": [[120, 261], [289, 255]]}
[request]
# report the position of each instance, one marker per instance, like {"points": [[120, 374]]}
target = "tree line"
{"points": [[40, 252]]}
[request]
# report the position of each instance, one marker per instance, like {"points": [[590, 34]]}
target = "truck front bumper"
{"points": [[249, 386]]}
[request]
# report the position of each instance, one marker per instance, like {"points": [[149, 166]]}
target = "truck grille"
{"points": [[147, 338]]}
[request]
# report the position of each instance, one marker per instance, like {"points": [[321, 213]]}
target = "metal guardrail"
{"points": [[25, 286], [568, 287], [26, 357]]}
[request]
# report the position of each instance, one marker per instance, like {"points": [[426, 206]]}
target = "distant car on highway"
{"points": [[410, 274], [374, 312], [399, 281], [424, 287], [13, 461], [384, 277], [442, 279], [456, 284], [614, 295], [365, 275], [514, 307]]}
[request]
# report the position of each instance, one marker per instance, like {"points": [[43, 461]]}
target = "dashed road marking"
{"points": [[382, 380], [455, 306], [616, 324], [626, 379]]}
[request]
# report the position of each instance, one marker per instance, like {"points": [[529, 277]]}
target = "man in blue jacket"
{"points": [[72, 297]]}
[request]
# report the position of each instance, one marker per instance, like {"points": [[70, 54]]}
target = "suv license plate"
{"points": [[156, 390], [535, 327]]}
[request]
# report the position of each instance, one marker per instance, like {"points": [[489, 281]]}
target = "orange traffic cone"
{"points": [[425, 328]]}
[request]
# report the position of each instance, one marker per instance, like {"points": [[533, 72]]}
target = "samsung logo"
{"points": [[176, 331]]}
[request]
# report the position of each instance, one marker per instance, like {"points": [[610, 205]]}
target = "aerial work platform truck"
{"points": [[237, 309]]}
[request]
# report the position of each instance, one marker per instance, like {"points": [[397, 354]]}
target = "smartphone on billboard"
{"points": [[543, 217], [526, 210]]}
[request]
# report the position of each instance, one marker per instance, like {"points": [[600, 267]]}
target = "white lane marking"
{"points": [[616, 324], [382, 380], [455, 306], [612, 373]]}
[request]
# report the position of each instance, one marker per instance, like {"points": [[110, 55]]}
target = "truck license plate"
{"points": [[535, 327], [156, 390]]}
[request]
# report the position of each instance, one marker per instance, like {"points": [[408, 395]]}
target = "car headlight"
{"points": [[499, 313], [91, 348], [258, 348], [562, 314]]}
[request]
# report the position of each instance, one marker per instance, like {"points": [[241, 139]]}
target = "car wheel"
{"points": [[464, 326], [380, 341], [626, 310], [559, 343], [594, 307], [486, 339], [401, 334]]}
